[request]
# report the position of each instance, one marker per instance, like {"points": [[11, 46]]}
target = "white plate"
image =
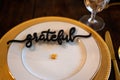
{"points": [[74, 61]]}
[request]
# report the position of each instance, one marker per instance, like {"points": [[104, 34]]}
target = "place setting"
{"points": [[54, 48], [59, 48]]}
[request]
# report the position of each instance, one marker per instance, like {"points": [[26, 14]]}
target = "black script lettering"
{"points": [[41, 37], [60, 36], [50, 36], [71, 32], [29, 40], [36, 37], [53, 37]]}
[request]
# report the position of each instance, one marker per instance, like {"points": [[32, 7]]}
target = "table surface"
{"points": [[14, 12]]}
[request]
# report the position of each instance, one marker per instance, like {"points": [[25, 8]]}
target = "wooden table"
{"points": [[13, 12]]}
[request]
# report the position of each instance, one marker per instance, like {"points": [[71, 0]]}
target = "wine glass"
{"points": [[94, 6]]}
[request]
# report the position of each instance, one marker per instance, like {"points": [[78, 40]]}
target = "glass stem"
{"points": [[92, 17]]}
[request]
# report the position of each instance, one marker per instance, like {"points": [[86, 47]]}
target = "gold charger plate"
{"points": [[103, 72]]}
